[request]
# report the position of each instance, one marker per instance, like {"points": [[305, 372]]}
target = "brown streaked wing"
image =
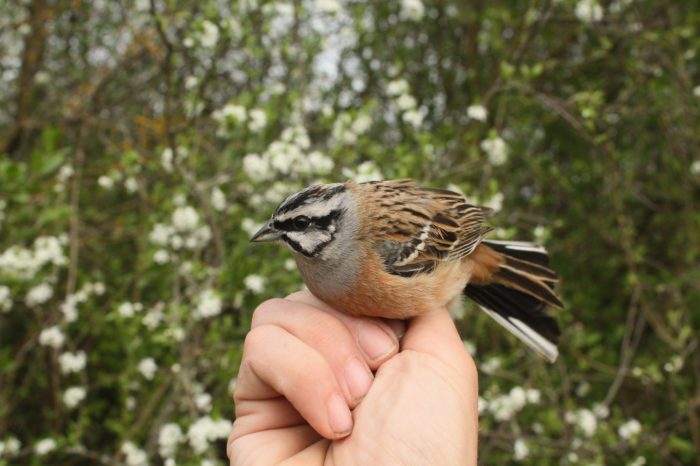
{"points": [[418, 227]]}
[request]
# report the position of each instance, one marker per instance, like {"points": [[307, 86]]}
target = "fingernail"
{"points": [[358, 378], [375, 342], [339, 416]]}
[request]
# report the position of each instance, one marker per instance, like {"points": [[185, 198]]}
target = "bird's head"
{"points": [[314, 222]]}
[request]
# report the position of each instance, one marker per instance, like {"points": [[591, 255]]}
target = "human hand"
{"points": [[302, 372]]}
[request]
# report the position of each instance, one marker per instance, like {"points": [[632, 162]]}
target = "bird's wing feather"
{"points": [[416, 228]]}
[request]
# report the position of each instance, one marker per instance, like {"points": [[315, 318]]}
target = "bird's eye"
{"points": [[301, 223]]}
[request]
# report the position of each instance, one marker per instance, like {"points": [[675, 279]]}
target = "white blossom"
{"points": [[147, 367], [69, 308], [406, 102], [589, 11], [413, 118], [327, 6], [133, 455], [73, 396], [9, 447], [601, 411], [105, 182], [25, 263], [696, 91], [203, 402], [674, 365], [250, 226], [38, 295], [278, 191], [142, 5], [397, 87], [153, 317], [209, 304], [72, 362], [495, 202], [161, 256], [65, 172], [258, 120], [218, 199], [477, 112], [198, 238], [366, 171], [131, 185], [45, 446], [629, 429], [496, 149], [362, 123], [166, 159], [695, 167], [205, 430], [192, 81], [52, 337], [230, 111], [504, 407], [176, 333], [585, 419], [638, 461], [470, 347], [169, 436], [319, 163], [296, 135], [210, 34], [160, 235], [412, 9], [257, 168], [533, 395], [5, 299], [255, 283], [520, 450], [127, 309], [482, 405], [343, 129], [185, 218], [232, 385], [491, 365], [98, 288]]}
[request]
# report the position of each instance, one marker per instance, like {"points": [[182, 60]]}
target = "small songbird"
{"points": [[393, 249]]}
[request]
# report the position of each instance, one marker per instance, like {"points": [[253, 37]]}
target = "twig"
{"points": [[74, 233]]}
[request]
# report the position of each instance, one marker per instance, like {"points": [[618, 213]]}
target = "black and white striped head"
{"points": [[309, 222]]}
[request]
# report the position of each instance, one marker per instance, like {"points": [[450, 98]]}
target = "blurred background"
{"points": [[143, 142]]}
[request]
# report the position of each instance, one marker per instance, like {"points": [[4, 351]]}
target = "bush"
{"points": [[145, 141]]}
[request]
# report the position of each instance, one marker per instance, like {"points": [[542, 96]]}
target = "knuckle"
{"points": [[264, 312], [256, 338]]}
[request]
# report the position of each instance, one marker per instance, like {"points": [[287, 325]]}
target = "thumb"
{"points": [[436, 334]]}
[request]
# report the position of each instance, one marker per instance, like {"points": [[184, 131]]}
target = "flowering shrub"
{"points": [[143, 142]]}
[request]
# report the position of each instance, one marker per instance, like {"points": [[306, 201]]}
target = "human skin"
{"points": [[305, 366]]}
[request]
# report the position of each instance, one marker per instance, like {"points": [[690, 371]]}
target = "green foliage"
{"points": [[145, 141]]}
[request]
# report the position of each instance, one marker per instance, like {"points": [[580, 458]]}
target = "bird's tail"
{"points": [[513, 283]]}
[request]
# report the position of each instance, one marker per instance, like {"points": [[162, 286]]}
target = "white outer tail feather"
{"points": [[527, 335], [519, 245]]}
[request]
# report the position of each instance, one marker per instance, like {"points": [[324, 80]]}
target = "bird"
{"points": [[396, 250]]}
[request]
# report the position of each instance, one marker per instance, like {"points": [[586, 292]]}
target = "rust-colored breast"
{"points": [[380, 294]]}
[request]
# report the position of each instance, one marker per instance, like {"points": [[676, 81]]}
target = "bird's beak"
{"points": [[266, 233]]}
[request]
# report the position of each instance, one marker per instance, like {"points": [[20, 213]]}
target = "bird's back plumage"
{"points": [[417, 228]]}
